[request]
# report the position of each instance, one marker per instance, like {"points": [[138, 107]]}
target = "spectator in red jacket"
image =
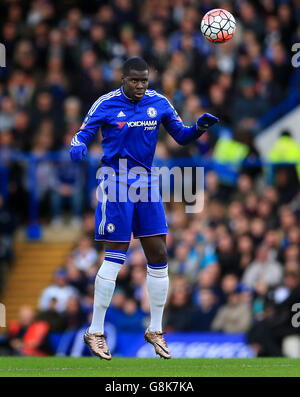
{"points": [[27, 336]]}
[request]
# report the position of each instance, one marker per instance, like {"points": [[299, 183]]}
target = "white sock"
{"points": [[104, 287], [157, 285]]}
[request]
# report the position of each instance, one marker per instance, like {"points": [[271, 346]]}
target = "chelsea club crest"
{"points": [[110, 228], [152, 112]]}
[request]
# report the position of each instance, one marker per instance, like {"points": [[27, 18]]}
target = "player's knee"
{"points": [[159, 255]]}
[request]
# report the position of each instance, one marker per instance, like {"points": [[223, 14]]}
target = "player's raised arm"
{"points": [[89, 128], [181, 133]]}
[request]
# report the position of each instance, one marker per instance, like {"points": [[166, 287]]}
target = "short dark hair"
{"points": [[134, 63]]}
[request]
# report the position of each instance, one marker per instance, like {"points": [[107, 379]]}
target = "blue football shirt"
{"points": [[130, 129]]}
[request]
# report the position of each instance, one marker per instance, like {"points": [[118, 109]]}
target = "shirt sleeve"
{"points": [[90, 126], [175, 127]]}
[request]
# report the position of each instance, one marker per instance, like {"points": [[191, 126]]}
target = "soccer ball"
{"points": [[218, 26]]}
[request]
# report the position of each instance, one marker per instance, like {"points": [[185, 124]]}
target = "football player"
{"points": [[129, 118]]}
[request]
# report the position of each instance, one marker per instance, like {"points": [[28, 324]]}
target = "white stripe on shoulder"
{"points": [[96, 102], [104, 98], [108, 95], [152, 93]]}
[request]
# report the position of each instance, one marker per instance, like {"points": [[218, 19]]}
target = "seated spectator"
{"points": [[42, 143], [87, 300], [124, 278], [282, 291], [228, 258], [59, 290], [260, 300], [125, 314], [240, 225], [179, 282], [18, 328], [257, 230], [182, 264], [72, 111], [208, 278], [265, 211], [203, 254], [91, 272], [245, 250], [228, 283], [7, 113], [44, 110], [27, 335], [67, 186], [272, 241], [138, 281], [216, 212], [290, 253], [244, 187], [212, 186], [52, 317], [250, 205], [176, 316], [73, 315], [204, 311], [248, 105], [293, 235], [267, 334], [262, 269], [76, 278], [85, 255], [136, 257], [287, 220], [234, 316]]}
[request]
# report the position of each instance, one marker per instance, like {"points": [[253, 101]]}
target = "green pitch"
{"points": [[156, 367]]}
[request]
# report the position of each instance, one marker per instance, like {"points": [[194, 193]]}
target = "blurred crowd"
{"points": [[230, 265], [234, 268], [62, 55]]}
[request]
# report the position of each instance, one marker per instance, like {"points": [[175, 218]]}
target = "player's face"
{"points": [[135, 84]]}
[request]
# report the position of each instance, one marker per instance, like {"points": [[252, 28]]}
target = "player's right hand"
{"points": [[77, 153]]}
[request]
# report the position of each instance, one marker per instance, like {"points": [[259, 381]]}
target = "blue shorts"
{"points": [[116, 220]]}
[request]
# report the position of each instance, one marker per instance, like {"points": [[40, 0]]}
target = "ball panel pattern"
{"points": [[218, 25]]}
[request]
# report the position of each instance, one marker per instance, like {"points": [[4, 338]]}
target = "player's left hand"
{"points": [[78, 152], [206, 121]]}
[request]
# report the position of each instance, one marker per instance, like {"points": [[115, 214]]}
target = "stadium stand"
{"points": [[239, 257]]}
